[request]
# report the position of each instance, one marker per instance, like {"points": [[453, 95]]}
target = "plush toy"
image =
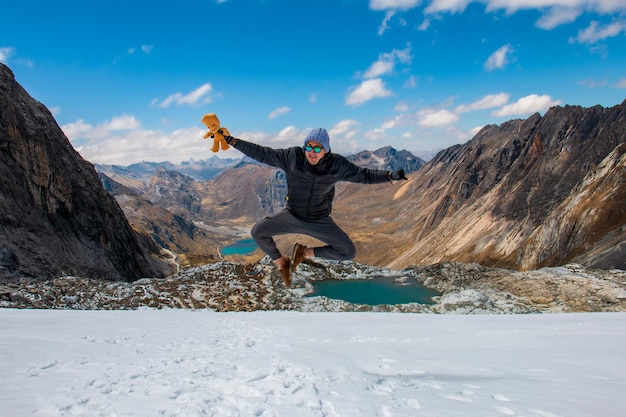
{"points": [[213, 123]]}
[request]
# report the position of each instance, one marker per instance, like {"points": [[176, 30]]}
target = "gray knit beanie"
{"points": [[319, 135]]}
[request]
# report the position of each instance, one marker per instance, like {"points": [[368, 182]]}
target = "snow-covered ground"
{"points": [[202, 363]]}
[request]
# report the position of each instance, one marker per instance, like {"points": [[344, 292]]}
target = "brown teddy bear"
{"points": [[213, 123]]}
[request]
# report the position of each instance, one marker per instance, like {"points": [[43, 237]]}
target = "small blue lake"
{"points": [[241, 247], [375, 291]]}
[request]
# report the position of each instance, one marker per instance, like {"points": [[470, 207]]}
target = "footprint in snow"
{"points": [[505, 411], [457, 397]]}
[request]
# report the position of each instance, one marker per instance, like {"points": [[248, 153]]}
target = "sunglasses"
{"points": [[316, 149]]}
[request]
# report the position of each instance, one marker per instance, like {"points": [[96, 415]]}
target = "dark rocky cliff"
{"points": [[55, 216]]}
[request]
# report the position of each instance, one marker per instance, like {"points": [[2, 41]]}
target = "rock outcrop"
{"points": [[55, 216], [224, 286]]}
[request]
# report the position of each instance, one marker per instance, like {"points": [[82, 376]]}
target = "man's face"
{"points": [[312, 156]]}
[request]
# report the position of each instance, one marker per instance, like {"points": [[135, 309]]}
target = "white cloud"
{"points": [[404, 55], [436, 118], [287, 137], [151, 145], [401, 106], [367, 90], [557, 16], [554, 12], [199, 95], [384, 25], [5, 53], [621, 83], [313, 98], [375, 134], [77, 129], [383, 66], [499, 58], [278, 112], [81, 131], [399, 120], [512, 6], [593, 83], [145, 48], [345, 128], [288, 131], [124, 122], [527, 105], [122, 141], [459, 135], [387, 61], [599, 49], [475, 130], [595, 32], [422, 27], [452, 6], [393, 4], [487, 102]]}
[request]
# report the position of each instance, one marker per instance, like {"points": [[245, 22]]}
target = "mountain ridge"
{"points": [[489, 200]]}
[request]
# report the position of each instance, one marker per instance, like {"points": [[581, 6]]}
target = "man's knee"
{"points": [[345, 252], [259, 230], [350, 252], [255, 231]]}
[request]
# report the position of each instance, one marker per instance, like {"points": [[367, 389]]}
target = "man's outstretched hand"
{"points": [[397, 175]]}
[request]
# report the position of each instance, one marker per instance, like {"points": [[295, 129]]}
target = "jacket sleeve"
{"points": [[353, 173], [264, 154]]}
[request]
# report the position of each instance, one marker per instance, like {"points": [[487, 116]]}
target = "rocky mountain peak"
{"points": [[55, 216], [387, 158]]}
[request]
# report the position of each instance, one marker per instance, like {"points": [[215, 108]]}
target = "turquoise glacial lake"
{"points": [[375, 291], [241, 247]]}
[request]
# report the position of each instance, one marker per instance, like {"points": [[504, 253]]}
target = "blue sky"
{"points": [[130, 80]]}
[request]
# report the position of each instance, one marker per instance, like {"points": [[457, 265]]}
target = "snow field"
{"points": [[200, 363]]}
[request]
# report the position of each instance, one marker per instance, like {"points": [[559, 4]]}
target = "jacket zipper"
{"points": [[311, 191]]}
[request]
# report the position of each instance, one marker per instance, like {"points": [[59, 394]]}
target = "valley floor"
{"points": [[174, 362]]}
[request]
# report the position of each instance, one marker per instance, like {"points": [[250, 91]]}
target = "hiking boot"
{"points": [[285, 274], [297, 256]]}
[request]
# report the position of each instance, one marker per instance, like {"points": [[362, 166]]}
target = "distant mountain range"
{"points": [[241, 192], [386, 158], [542, 191], [201, 170]]}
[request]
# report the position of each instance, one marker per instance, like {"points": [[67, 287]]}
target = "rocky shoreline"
{"points": [[226, 286]]}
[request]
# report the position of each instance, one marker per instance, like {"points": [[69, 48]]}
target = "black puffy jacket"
{"points": [[311, 188]]}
